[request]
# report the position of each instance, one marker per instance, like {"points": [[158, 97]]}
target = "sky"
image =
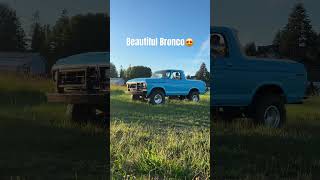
{"points": [[258, 20], [156, 19], [50, 10]]}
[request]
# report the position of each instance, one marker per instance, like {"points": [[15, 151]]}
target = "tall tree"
{"points": [[203, 74], [38, 35], [297, 38], [138, 72], [113, 71], [12, 36], [251, 49], [122, 73]]}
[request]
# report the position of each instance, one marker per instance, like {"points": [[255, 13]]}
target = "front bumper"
{"points": [[136, 89]]}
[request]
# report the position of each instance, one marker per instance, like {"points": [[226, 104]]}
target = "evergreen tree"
{"points": [[203, 74], [12, 36], [297, 38], [38, 34], [122, 73], [113, 71], [251, 49]]}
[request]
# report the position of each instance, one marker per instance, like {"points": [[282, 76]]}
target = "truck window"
{"points": [[218, 45], [176, 75]]}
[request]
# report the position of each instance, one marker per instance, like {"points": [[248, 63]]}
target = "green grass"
{"points": [[37, 139], [243, 151], [167, 141]]}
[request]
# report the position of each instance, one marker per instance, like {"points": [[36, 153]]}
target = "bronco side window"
{"points": [[218, 45], [176, 75]]}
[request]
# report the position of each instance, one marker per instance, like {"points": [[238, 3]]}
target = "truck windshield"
{"points": [[161, 74]]}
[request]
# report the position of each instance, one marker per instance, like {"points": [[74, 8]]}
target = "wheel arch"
{"points": [[268, 89], [194, 89], [157, 88]]}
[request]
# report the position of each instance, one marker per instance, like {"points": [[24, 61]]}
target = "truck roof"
{"points": [[170, 70], [221, 28], [84, 59]]}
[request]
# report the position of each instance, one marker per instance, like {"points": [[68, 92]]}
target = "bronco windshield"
{"points": [[161, 74]]}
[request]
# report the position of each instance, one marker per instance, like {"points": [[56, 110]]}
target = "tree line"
{"points": [[142, 71], [297, 40], [68, 36]]}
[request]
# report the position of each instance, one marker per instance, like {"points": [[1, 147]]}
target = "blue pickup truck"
{"points": [[171, 83], [251, 87]]}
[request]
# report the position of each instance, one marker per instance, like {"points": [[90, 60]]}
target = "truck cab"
{"points": [[249, 86]]}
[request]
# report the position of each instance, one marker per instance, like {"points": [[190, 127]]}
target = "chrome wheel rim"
{"points": [[195, 98], [272, 117], [158, 99]]}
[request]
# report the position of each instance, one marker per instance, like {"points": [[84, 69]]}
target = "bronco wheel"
{"points": [[157, 97], [194, 96], [270, 111], [136, 97], [81, 112]]}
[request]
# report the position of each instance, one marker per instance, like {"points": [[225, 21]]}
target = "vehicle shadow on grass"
{"points": [[33, 149], [172, 114]]}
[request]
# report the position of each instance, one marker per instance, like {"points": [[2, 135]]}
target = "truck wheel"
{"points": [[136, 97], [157, 97], [270, 111], [194, 96], [81, 112]]}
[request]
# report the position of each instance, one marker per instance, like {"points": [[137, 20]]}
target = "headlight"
{"points": [[144, 85], [55, 75]]}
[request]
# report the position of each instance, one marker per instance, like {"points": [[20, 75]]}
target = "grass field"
{"points": [[293, 152], [167, 141], [170, 141], [37, 139]]}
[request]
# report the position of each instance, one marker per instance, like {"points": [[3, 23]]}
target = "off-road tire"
{"points": [[155, 95], [135, 98], [275, 105], [81, 113], [194, 96]]}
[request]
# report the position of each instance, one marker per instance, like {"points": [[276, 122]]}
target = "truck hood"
{"points": [[146, 80], [84, 59]]}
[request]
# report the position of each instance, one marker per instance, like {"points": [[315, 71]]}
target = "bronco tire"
{"points": [[81, 113], [157, 97], [194, 96], [270, 111], [136, 97]]}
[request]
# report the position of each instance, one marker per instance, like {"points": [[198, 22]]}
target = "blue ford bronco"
{"points": [[171, 83], [251, 87]]}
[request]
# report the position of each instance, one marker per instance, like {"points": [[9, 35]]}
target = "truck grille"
{"points": [[72, 77], [135, 87]]}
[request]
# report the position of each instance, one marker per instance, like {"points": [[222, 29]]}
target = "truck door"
{"points": [[175, 85], [223, 89]]}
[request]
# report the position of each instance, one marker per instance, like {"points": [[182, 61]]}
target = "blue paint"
{"points": [[171, 87], [236, 78]]}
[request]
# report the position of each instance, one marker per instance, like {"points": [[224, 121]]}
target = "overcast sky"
{"points": [[50, 10], [259, 20]]}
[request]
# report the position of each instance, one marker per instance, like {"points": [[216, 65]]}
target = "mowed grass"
{"points": [[166, 141], [243, 151], [37, 138]]}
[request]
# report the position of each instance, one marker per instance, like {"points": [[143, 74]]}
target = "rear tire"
{"points": [[270, 111], [136, 98], [194, 96], [157, 97]]}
